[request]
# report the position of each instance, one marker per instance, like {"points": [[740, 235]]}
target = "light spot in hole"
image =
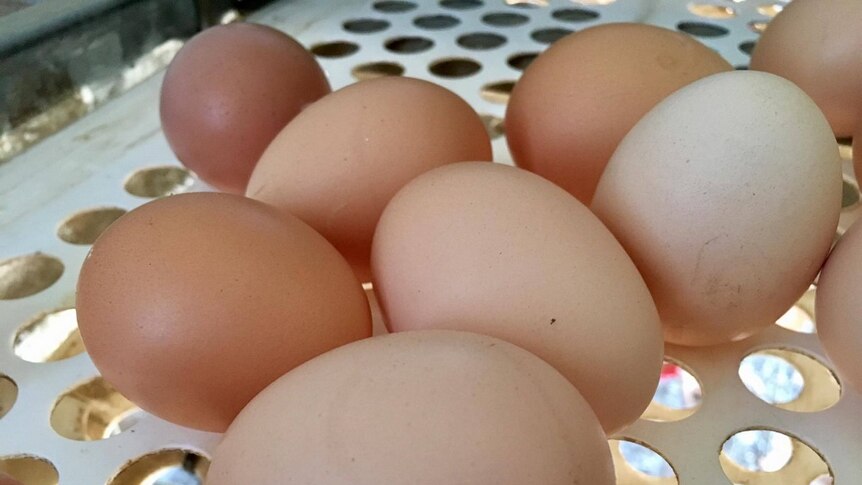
{"points": [[158, 181], [408, 45], [461, 4], [365, 26], [372, 70], [700, 29], [27, 275], [758, 26], [49, 337], [637, 463], [493, 125], [747, 47], [86, 226], [797, 320], [30, 469], [677, 396], [549, 36], [169, 466], [497, 92], [845, 148], [505, 19], [92, 410], [527, 3], [789, 380], [575, 15], [394, 6], [436, 22], [454, 67], [338, 48], [770, 9], [481, 40], [521, 61], [8, 394], [849, 194], [767, 456], [711, 11]]}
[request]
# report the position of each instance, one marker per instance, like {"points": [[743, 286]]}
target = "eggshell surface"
{"points": [[500, 251], [577, 100], [339, 162], [839, 305], [228, 92], [726, 195], [190, 305], [424, 408], [817, 45]]}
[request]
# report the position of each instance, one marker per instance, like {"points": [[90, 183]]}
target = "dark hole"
{"points": [[365, 26], [481, 40], [849, 195], [747, 47], [521, 61], [394, 6], [461, 4], [373, 70], [549, 36], [574, 15], [436, 22], [455, 67], [505, 19], [408, 45], [334, 49], [701, 29], [741, 68]]}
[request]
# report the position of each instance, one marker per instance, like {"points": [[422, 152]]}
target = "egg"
{"points": [[857, 153], [424, 408], [726, 195], [8, 480], [190, 305], [340, 161], [497, 250], [839, 304], [817, 45], [577, 100], [228, 92]]}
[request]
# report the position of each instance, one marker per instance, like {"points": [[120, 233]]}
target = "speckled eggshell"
{"points": [[191, 304], [340, 161], [418, 408], [726, 195], [500, 251]]}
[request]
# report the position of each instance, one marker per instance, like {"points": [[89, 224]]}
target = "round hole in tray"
{"points": [[30, 469], [394, 6], [338, 48], [845, 148], [372, 70], [505, 19], [92, 410], [789, 380], [493, 125], [762, 455], [169, 466], [49, 337], [153, 182], [527, 3], [575, 15], [678, 395], [365, 25], [481, 40], [27, 275], [522, 60], [757, 26], [8, 394], [850, 194], [86, 226], [436, 22], [770, 9], [711, 10], [461, 4], [797, 319], [747, 47], [497, 92], [701, 29], [549, 36], [455, 67], [638, 463], [408, 45]]}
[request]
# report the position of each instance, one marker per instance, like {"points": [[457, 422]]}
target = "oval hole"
{"points": [[637, 463], [700, 29], [27, 275], [757, 26], [481, 41], [575, 15], [372, 70], [522, 61], [30, 469], [678, 395], [789, 380], [49, 337], [170, 466], [747, 47], [527, 3], [461, 4], [497, 92], [408, 45], [770, 9], [365, 26], [505, 19], [394, 6], [711, 11], [92, 410], [8, 394], [549, 36], [849, 194], [154, 182], [86, 226], [436, 22], [334, 49], [455, 68], [764, 456], [493, 125]]}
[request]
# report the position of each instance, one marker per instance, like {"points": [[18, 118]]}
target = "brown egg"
{"points": [[726, 195], [817, 45], [418, 408], [577, 100], [228, 92], [8, 480], [857, 153], [839, 305], [192, 304], [338, 164], [500, 251]]}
